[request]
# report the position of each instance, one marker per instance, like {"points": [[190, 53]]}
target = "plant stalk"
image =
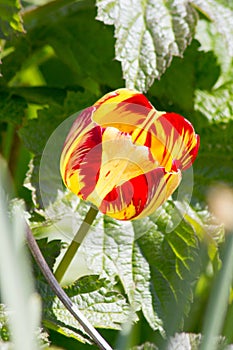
{"points": [[89, 329], [73, 247]]}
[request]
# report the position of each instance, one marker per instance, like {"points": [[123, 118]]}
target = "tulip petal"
{"points": [[81, 125], [121, 161], [81, 168], [140, 196], [179, 138], [123, 109], [130, 111]]}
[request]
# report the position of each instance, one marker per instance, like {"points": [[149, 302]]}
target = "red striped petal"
{"points": [[83, 165], [123, 109], [179, 139], [141, 195]]}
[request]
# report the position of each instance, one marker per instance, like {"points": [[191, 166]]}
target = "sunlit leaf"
{"points": [[221, 12], [216, 105], [97, 299], [148, 35]]}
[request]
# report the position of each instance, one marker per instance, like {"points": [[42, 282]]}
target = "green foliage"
{"points": [[10, 18], [12, 108], [154, 261], [103, 305]]}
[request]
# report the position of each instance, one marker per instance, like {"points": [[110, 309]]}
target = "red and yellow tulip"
{"points": [[126, 157]]}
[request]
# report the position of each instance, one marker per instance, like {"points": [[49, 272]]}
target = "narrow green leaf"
{"points": [[148, 35]]}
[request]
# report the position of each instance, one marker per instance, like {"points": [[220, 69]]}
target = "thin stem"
{"points": [[90, 330], [77, 240]]}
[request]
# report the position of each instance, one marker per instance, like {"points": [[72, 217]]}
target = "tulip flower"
{"points": [[125, 157]]}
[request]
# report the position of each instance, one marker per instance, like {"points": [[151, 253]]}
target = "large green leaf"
{"points": [[154, 261], [148, 34], [174, 262]]}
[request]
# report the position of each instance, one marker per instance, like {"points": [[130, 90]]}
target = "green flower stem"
{"points": [[60, 293], [77, 240]]}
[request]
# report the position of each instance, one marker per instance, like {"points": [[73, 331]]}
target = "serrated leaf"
{"points": [[191, 341], [204, 227], [174, 262], [221, 12], [50, 250], [144, 294], [148, 35], [96, 298], [216, 105]]}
